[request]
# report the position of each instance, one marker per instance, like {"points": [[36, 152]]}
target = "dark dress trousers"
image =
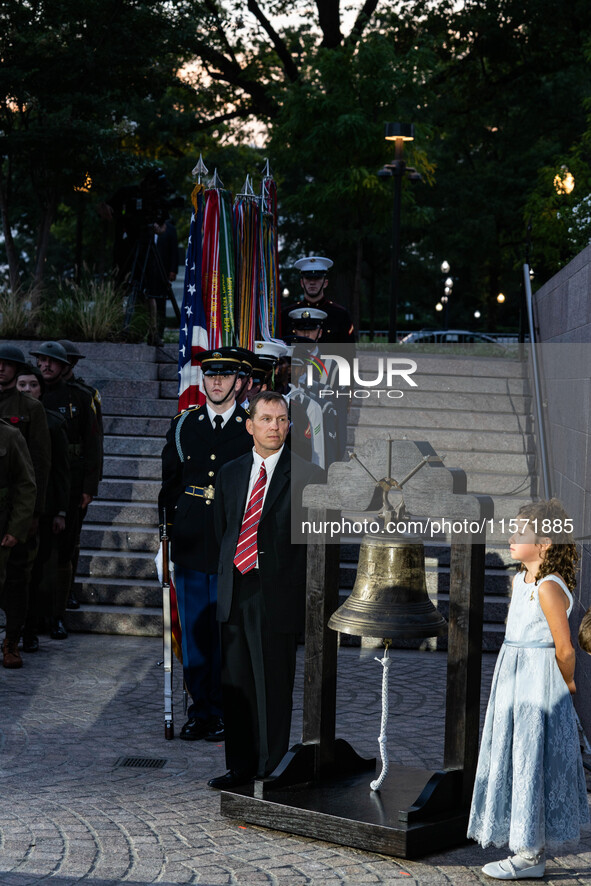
{"points": [[191, 459], [261, 614]]}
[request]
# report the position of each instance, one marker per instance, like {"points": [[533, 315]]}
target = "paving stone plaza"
{"points": [[73, 813]]}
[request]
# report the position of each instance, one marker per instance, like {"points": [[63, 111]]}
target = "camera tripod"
{"points": [[147, 268]]}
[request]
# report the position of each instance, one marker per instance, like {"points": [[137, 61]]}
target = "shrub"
{"points": [[18, 312]]}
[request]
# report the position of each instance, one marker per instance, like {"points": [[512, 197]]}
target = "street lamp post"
{"points": [[398, 133]]}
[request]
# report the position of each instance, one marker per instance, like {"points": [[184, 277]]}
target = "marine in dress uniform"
{"points": [[338, 326], [28, 416], [75, 405], [200, 440]]}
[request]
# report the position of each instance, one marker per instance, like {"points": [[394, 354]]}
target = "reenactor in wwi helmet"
{"points": [[201, 439], [338, 326], [44, 601], [76, 406], [28, 417], [17, 505], [74, 355]]}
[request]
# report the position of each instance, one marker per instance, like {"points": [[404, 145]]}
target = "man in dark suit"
{"points": [[200, 440], [261, 593]]}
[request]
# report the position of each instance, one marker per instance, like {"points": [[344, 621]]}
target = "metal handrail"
{"points": [[537, 385]]}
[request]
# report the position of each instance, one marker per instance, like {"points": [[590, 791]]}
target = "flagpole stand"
{"points": [[322, 787]]}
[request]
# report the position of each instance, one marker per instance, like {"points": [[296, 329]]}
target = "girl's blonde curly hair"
{"points": [[562, 556]]}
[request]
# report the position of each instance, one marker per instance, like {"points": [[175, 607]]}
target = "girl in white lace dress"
{"points": [[530, 788]]}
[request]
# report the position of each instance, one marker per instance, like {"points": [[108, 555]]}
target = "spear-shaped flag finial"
{"points": [[247, 190], [266, 171], [200, 169], [216, 181]]}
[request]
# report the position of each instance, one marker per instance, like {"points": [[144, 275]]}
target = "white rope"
{"points": [[382, 738]]}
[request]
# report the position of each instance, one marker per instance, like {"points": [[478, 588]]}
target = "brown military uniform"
{"points": [[74, 403], [27, 415], [17, 502]]}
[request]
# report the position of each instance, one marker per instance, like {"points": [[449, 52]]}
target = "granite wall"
{"points": [[562, 315]]}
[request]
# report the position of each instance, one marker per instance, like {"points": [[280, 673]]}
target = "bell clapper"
{"points": [[385, 662]]}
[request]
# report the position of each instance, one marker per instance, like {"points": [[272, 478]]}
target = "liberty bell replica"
{"points": [[389, 598]]}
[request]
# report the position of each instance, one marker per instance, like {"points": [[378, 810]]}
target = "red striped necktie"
{"points": [[246, 550]]}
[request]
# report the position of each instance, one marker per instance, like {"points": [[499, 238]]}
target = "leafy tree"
{"points": [[77, 84]]}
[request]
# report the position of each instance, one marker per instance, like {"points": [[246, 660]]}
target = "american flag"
{"points": [[193, 332]]}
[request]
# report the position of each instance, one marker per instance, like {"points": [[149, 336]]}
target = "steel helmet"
{"points": [[51, 349], [11, 353]]}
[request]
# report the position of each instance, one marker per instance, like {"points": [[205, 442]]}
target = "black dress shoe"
{"points": [[58, 631], [216, 732], [232, 779], [72, 602], [194, 729], [30, 643]]}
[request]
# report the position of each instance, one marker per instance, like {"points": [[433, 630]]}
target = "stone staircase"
{"points": [[117, 584], [475, 411]]}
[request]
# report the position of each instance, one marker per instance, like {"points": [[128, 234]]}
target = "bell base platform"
{"points": [[416, 811]]}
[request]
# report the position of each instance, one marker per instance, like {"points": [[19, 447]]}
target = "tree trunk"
{"points": [[356, 295], [47, 215], [9, 245]]}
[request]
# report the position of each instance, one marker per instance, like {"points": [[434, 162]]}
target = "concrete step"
{"points": [[137, 406], [139, 513], [409, 412], [491, 443], [169, 390], [118, 564], [129, 490], [145, 445], [97, 591], [130, 387], [135, 427], [96, 537], [128, 620], [131, 468]]}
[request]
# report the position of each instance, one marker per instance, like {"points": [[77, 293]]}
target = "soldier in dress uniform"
{"points": [[338, 326], [29, 418], [201, 439], [17, 504], [75, 404], [74, 355]]}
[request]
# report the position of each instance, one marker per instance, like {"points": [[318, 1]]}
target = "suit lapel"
{"points": [[279, 480], [242, 479]]}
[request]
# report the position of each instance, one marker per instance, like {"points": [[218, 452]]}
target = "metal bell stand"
{"points": [[321, 788]]}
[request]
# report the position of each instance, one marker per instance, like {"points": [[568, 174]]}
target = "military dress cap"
{"points": [[269, 350], [71, 349], [307, 318], [267, 355], [219, 361], [246, 358], [11, 354], [313, 265], [51, 349]]}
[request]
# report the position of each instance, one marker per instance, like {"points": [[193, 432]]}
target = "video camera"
{"points": [[155, 198]]}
